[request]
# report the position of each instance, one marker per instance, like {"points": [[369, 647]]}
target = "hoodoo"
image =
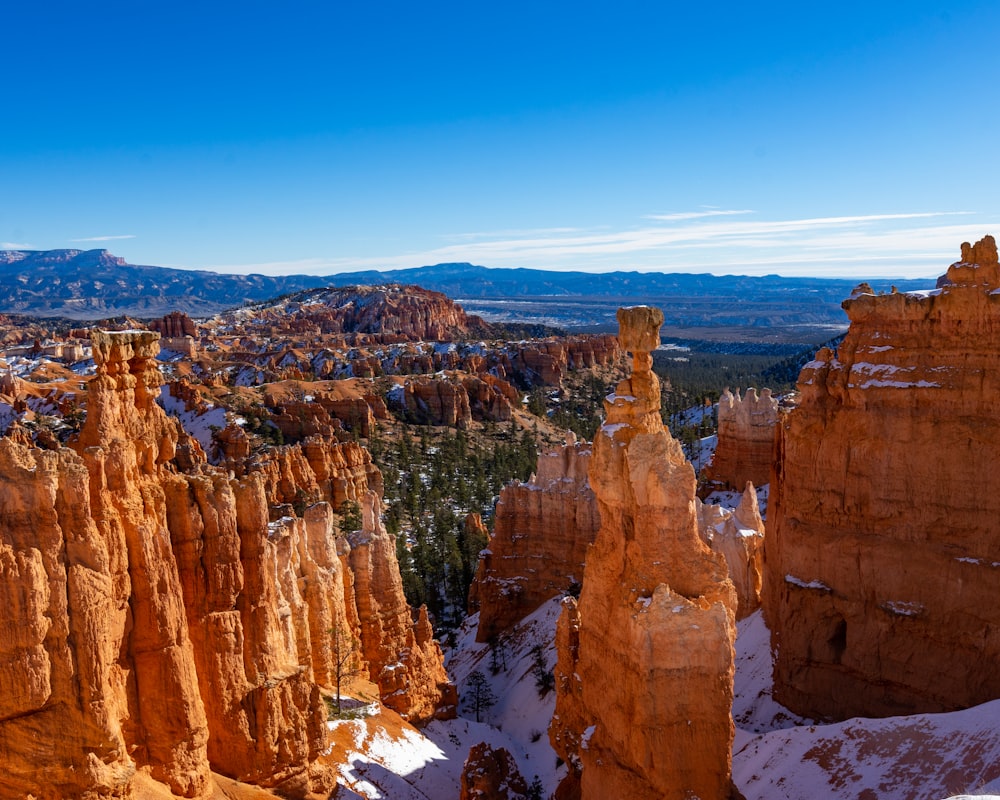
{"points": [[176, 620], [745, 450], [882, 551], [645, 671]]}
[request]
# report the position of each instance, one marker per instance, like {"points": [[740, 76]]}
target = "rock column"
{"points": [[645, 670]]}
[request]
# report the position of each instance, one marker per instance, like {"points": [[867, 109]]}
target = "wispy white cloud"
{"points": [[15, 246], [914, 244], [684, 215], [104, 238]]}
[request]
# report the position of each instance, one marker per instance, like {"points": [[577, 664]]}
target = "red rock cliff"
{"points": [[644, 678], [542, 532], [159, 620], [883, 550]]}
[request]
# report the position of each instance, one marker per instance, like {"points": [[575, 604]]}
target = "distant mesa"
{"points": [[94, 284]]}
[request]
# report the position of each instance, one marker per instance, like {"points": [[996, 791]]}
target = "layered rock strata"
{"points": [[883, 552], [644, 677], [159, 620], [541, 534], [745, 450]]}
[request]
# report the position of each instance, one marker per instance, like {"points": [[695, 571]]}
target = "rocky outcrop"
{"points": [[882, 547], [174, 325], [738, 534], [644, 678], [490, 398], [546, 361], [299, 419], [403, 658], [160, 621], [492, 774], [437, 402], [745, 449], [540, 539], [392, 312]]}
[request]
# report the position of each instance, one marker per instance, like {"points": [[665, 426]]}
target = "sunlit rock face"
{"points": [[174, 619], [882, 550], [738, 534], [543, 529], [645, 671], [745, 450]]}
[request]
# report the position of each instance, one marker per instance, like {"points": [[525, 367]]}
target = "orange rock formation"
{"points": [[490, 774], [745, 449], [158, 620], [738, 535], [540, 539], [645, 672], [882, 549]]}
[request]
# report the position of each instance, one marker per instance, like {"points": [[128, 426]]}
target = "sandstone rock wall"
{"points": [[159, 620], [403, 658], [644, 678], [745, 449], [174, 325], [882, 549], [542, 531]]}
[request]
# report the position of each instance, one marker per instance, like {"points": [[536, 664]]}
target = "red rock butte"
{"points": [[882, 550]]}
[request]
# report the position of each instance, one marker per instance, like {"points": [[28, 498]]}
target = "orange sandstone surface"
{"points": [[745, 450], [644, 677], [160, 625], [882, 556], [540, 539]]}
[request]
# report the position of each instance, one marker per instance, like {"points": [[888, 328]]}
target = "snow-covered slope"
{"points": [[382, 757], [777, 756]]}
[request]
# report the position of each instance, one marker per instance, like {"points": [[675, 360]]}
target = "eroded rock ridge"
{"points": [[179, 621]]}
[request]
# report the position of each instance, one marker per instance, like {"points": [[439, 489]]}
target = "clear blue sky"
{"points": [[856, 139]]}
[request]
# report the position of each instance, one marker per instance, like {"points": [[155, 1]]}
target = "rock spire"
{"points": [[645, 669]]}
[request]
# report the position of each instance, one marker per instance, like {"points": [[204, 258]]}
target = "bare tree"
{"points": [[347, 662]]}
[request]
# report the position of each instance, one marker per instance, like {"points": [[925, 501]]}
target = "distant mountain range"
{"points": [[94, 284]]}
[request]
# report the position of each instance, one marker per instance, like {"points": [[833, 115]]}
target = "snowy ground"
{"points": [[776, 754], [198, 424], [387, 760]]}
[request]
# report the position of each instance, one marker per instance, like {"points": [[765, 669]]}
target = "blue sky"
{"points": [[853, 139]]}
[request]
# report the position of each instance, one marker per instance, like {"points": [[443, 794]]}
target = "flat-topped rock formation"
{"points": [[882, 550]]}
